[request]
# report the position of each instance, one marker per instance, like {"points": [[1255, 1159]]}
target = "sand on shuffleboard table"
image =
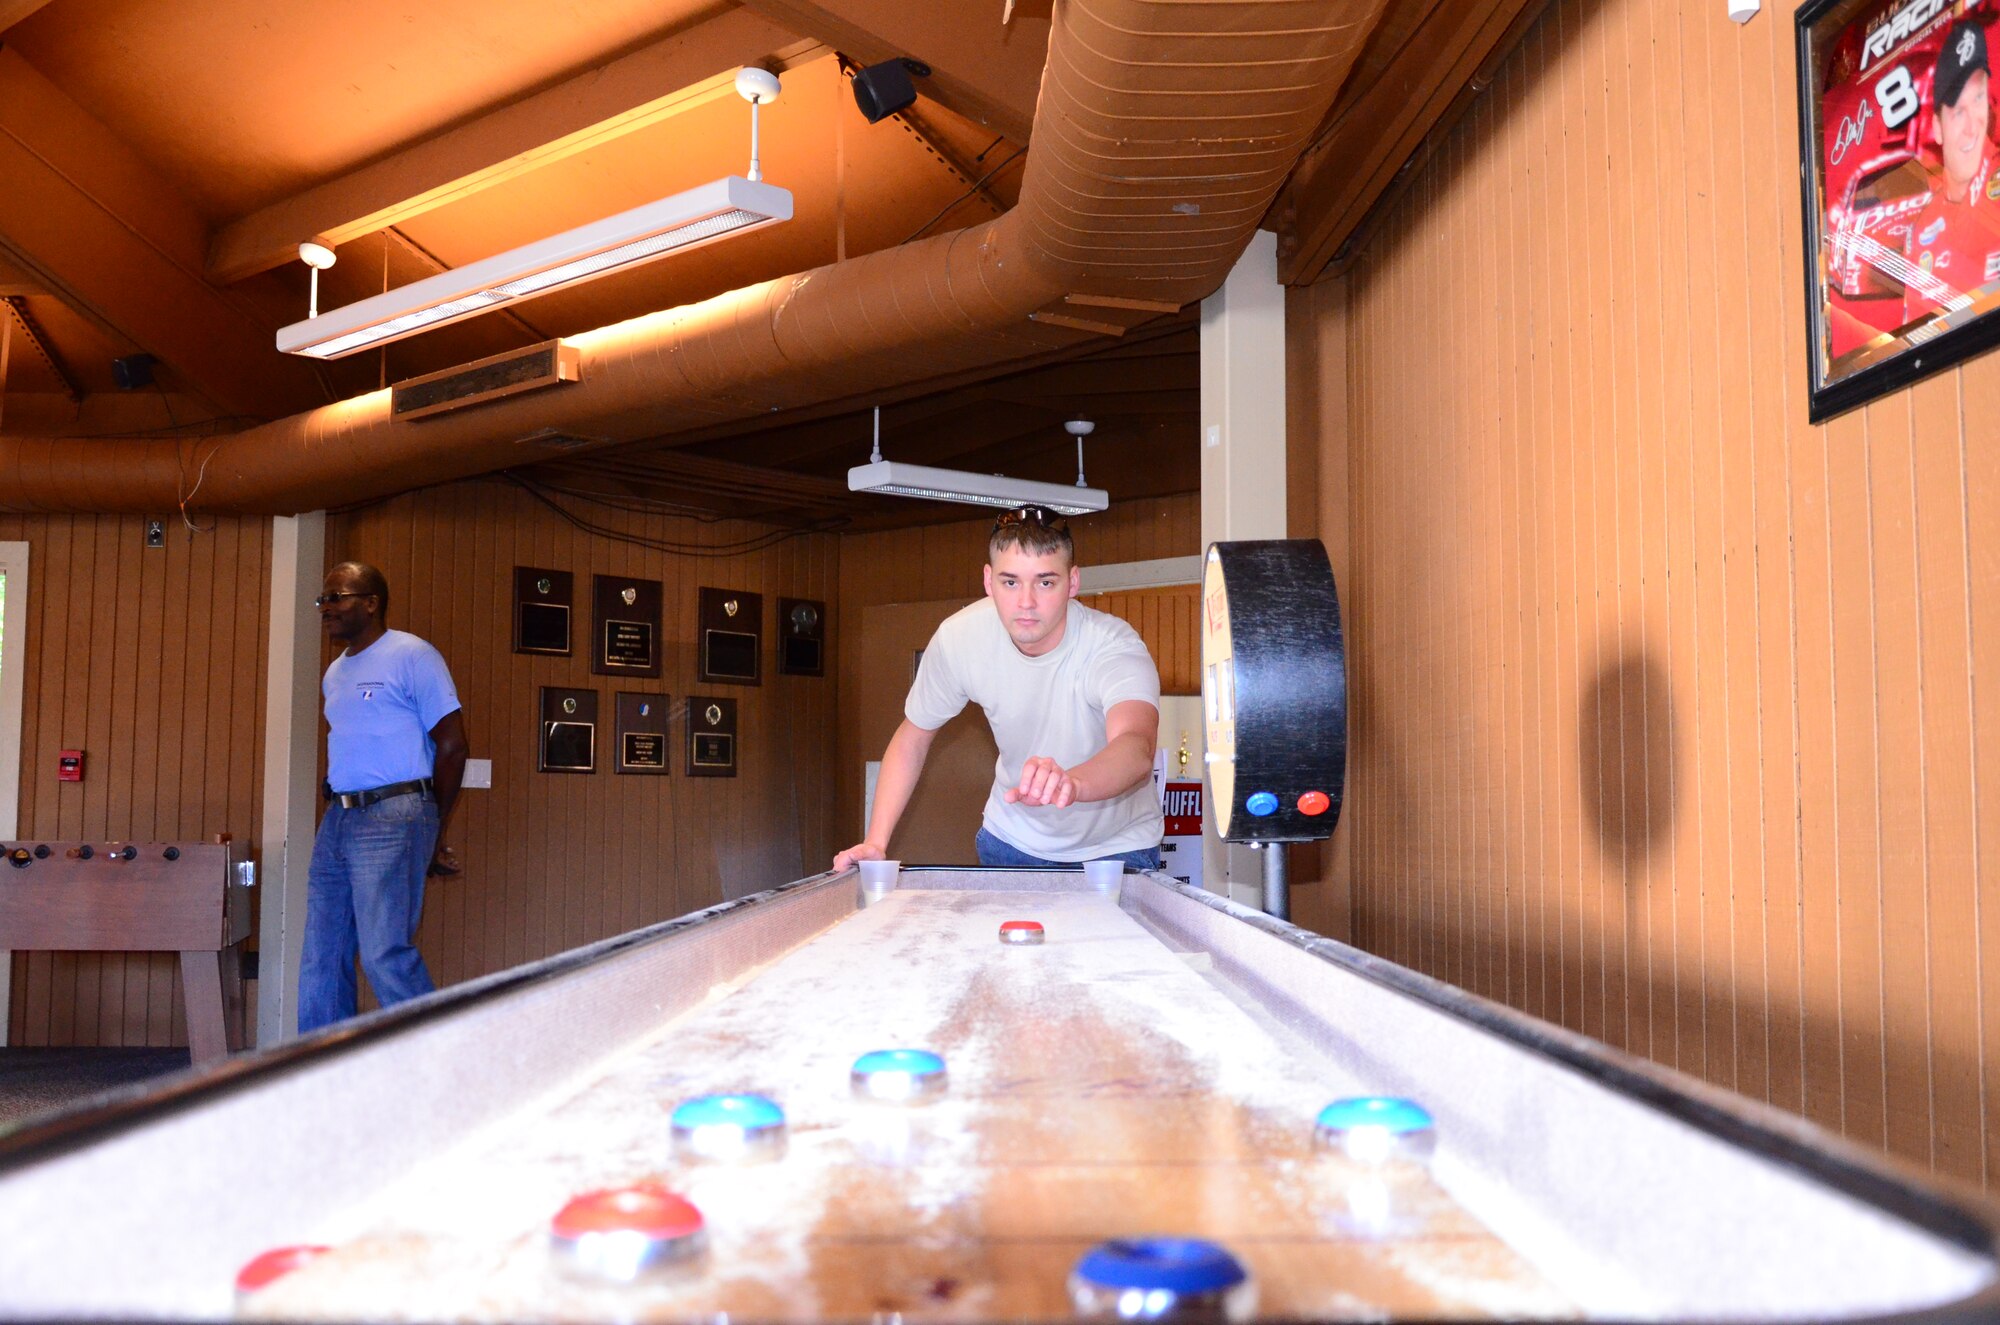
{"points": [[1099, 1087]]}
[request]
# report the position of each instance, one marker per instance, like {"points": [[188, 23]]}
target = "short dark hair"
{"points": [[369, 581], [1035, 530]]}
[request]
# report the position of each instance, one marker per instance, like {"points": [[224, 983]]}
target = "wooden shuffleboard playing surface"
{"points": [[1101, 1085]]}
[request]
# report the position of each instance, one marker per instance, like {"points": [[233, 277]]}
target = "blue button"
{"points": [[1261, 803], [1178, 1265]]}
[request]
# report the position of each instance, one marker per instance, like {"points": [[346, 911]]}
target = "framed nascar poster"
{"points": [[1897, 127]]}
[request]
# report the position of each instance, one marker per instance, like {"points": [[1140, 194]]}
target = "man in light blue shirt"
{"points": [[395, 752]]}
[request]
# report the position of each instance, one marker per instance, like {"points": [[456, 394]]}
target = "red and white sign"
{"points": [[1180, 852]]}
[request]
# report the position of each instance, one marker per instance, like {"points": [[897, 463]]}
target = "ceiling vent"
{"points": [[555, 439], [549, 364]]}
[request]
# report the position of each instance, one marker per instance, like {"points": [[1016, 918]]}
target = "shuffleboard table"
{"points": [[1154, 1066]]}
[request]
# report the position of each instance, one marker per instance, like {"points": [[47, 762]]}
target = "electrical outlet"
{"points": [[156, 533]]}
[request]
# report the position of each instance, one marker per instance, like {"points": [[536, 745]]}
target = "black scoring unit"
{"points": [[1274, 697]]}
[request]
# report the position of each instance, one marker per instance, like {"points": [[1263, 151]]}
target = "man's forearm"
{"points": [[1121, 765]]}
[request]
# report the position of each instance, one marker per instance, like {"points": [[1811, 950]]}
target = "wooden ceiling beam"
{"points": [[1448, 59], [14, 11], [38, 341], [17, 282], [987, 71], [589, 110], [91, 223]]}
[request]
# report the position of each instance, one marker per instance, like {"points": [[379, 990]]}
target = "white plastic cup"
{"points": [[1103, 874], [878, 880]]}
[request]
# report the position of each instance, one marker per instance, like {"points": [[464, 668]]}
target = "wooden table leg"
{"points": [[201, 984]]}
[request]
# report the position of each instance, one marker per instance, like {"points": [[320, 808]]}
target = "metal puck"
{"points": [[1378, 1129], [619, 1234], [729, 1129], [269, 1267], [898, 1076], [1180, 1279]]}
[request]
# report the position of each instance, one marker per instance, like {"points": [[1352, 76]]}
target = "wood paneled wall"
{"points": [[555, 860], [1169, 620], [944, 561], [151, 660], [1673, 715]]}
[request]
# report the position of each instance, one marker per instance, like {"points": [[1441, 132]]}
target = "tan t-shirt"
{"points": [[1053, 705]]}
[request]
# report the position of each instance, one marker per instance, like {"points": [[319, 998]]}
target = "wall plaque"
{"points": [[730, 627], [542, 602], [801, 637], [643, 724], [626, 635], [711, 737], [568, 742]]}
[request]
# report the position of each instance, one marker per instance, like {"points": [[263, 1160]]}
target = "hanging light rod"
{"points": [[893, 478], [702, 215]]}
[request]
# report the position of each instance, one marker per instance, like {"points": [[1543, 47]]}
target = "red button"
{"points": [[644, 1207], [274, 1265], [1314, 802]]}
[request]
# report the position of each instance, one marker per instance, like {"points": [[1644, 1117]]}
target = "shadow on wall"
{"points": [[1625, 756]]}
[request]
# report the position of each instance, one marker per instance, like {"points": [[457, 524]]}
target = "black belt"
{"points": [[354, 800]]}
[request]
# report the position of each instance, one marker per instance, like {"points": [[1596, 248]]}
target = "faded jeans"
{"points": [[997, 851], [365, 891]]}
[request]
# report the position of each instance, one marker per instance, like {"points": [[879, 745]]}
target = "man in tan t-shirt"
{"points": [[1072, 696]]}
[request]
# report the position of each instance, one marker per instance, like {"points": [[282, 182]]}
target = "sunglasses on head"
{"points": [[1035, 515]]}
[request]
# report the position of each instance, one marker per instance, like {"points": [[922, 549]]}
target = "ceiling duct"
{"points": [[1162, 134]]}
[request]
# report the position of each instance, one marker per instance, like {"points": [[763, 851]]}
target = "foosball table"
{"points": [[190, 898]]}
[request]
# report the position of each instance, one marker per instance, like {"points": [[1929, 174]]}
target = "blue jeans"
{"points": [[365, 891], [995, 851]]}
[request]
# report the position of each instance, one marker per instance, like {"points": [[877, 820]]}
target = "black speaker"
{"points": [[133, 371], [881, 90]]}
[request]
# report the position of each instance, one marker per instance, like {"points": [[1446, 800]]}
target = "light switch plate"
{"points": [[478, 773]]}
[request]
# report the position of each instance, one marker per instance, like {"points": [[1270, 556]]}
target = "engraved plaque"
{"points": [[568, 731], [801, 637], [626, 637], [542, 602], [644, 721], [730, 633], [711, 737]]}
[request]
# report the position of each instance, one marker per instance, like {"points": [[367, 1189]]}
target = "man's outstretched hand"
{"points": [[1043, 782]]}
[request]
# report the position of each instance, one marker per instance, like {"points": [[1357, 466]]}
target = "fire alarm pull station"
{"points": [[69, 766]]}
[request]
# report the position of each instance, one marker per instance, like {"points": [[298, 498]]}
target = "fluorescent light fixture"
{"points": [[701, 215], [894, 478]]}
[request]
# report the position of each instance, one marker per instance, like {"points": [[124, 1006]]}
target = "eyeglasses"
{"points": [[326, 598], [1039, 515]]}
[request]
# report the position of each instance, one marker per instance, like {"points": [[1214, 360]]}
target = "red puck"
{"points": [[645, 1208], [1021, 931], [275, 1264]]}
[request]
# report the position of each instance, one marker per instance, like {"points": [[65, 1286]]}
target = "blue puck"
{"points": [[1178, 1265], [1373, 1129], [898, 1076], [729, 1128], [1261, 803]]}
